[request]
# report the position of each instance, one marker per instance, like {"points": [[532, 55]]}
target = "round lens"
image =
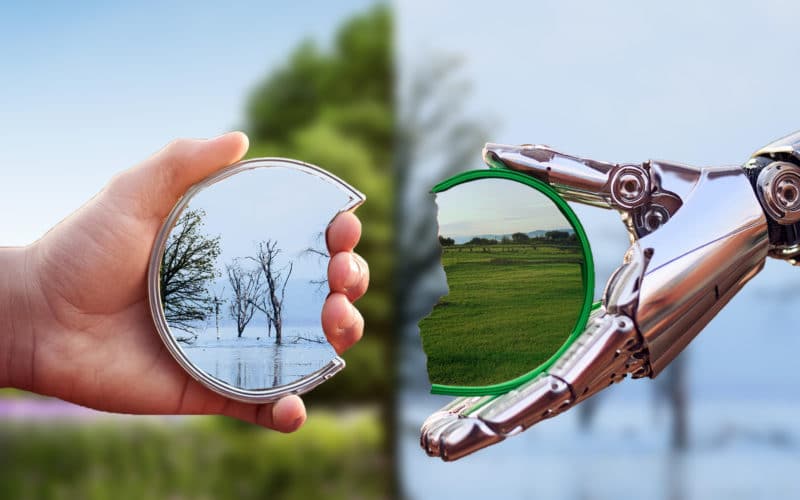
{"points": [[239, 278], [519, 276]]}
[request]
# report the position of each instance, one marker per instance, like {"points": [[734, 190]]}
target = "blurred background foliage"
{"points": [[332, 106], [334, 456]]}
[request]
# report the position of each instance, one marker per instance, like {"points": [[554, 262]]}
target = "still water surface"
{"points": [[255, 361]]}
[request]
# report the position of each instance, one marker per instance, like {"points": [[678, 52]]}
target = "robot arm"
{"points": [[698, 235]]}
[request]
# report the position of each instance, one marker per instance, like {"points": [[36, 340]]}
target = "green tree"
{"points": [[187, 269], [520, 238], [477, 240], [556, 235]]}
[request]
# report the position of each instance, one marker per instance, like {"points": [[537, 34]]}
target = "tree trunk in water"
{"points": [[276, 372]]}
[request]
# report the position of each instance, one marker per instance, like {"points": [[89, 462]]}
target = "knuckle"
{"points": [[176, 156], [177, 150], [177, 146]]}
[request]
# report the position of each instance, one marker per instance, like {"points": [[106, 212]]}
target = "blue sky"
{"points": [[286, 206], [280, 204], [91, 88], [700, 83], [495, 207]]}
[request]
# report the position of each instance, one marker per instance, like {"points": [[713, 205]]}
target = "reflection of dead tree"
{"points": [[217, 300], [246, 286], [189, 338], [187, 267], [271, 302], [300, 338], [277, 364]]}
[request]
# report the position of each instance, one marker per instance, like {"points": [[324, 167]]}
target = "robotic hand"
{"points": [[697, 236]]}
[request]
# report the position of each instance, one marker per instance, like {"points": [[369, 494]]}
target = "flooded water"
{"points": [[751, 454], [255, 361]]}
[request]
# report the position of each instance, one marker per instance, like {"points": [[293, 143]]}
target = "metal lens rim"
{"points": [[587, 275], [300, 386]]}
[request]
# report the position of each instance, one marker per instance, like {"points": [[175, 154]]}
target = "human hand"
{"points": [[76, 316]]}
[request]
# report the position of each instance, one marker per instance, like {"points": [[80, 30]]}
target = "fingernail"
{"points": [[355, 274]]}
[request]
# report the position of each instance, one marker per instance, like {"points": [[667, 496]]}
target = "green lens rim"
{"points": [[587, 275]]}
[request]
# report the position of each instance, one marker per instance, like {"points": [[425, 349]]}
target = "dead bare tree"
{"points": [[271, 301], [247, 286]]}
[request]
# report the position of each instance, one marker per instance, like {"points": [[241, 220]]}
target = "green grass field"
{"points": [[510, 307]]}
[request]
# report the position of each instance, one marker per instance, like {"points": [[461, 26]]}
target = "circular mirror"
{"points": [[520, 278], [238, 277]]}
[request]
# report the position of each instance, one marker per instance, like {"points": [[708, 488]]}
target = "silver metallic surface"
{"points": [[778, 188], [630, 186], [638, 191], [698, 235], [786, 146], [785, 149], [712, 246], [300, 386]]}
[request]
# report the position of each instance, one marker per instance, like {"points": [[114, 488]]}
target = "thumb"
{"points": [[157, 183]]}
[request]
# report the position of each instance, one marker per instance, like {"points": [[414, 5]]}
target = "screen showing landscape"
{"points": [[514, 272]]}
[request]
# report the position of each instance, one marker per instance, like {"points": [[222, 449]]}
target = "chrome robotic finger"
{"points": [[605, 353], [433, 424], [646, 194]]}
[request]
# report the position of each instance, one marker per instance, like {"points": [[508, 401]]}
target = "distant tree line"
{"points": [[563, 237]]}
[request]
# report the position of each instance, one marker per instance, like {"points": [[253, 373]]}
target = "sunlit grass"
{"points": [[510, 307]]}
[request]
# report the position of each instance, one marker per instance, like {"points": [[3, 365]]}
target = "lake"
{"points": [[255, 361]]}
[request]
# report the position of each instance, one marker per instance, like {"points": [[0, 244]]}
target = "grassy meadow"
{"points": [[510, 307]]}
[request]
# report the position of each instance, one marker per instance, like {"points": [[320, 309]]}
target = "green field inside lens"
{"points": [[509, 309]]}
